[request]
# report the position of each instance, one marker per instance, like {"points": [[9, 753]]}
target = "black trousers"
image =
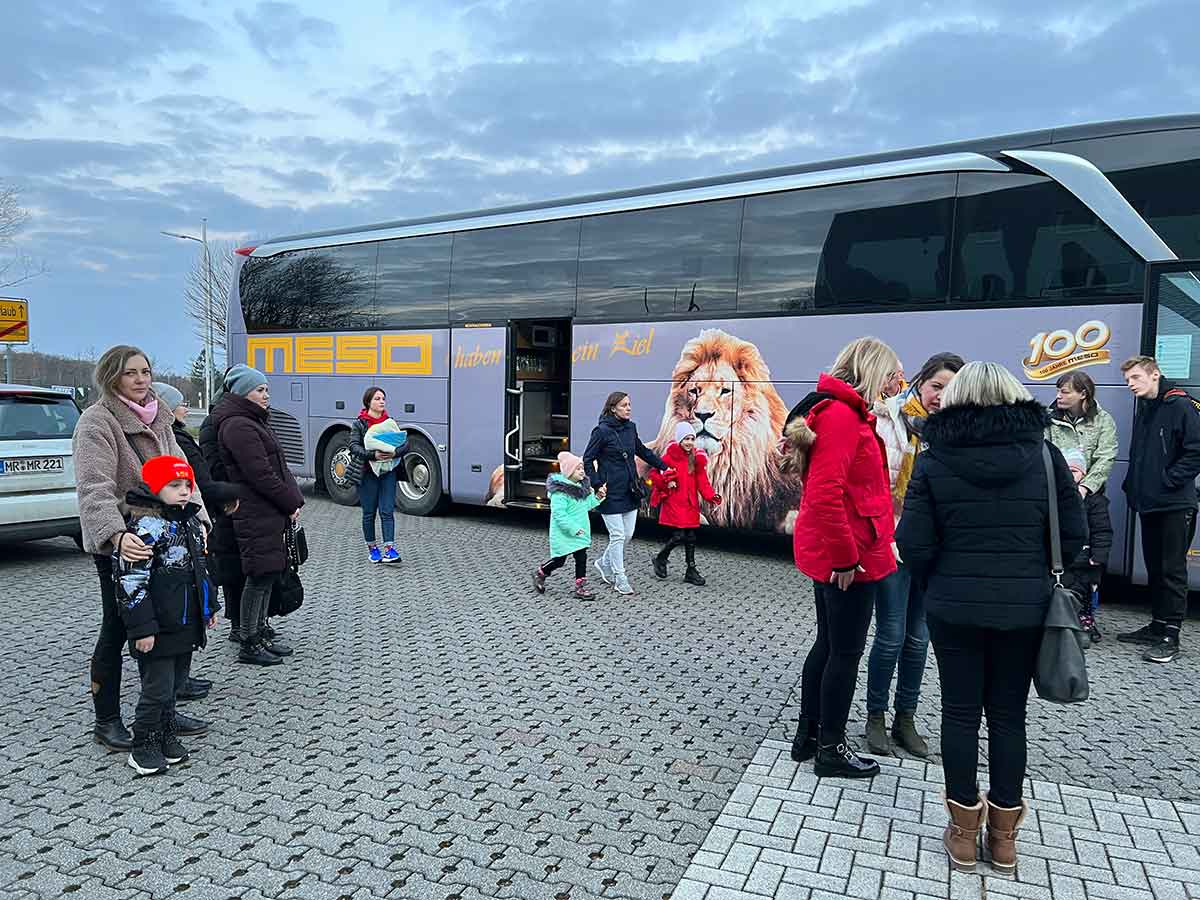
{"points": [[161, 677], [110, 647], [256, 598], [1166, 537], [831, 669], [984, 669], [686, 537], [558, 562]]}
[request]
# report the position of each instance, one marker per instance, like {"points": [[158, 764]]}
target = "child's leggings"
{"points": [[686, 537], [558, 561]]}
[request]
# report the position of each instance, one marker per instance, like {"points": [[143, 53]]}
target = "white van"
{"points": [[37, 470]]}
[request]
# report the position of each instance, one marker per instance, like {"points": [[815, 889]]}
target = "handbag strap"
{"points": [[1056, 561]]}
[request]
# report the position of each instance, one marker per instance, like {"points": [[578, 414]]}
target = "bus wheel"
{"points": [[421, 493], [335, 467]]}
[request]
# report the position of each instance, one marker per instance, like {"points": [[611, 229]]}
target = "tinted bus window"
{"points": [[854, 245], [326, 289], [677, 259], [521, 271], [1167, 198], [1024, 237], [412, 282]]}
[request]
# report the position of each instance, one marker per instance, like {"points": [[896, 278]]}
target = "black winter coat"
{"points": [[609, 459], [217, 492], [975, 526], [1164, 455], [254, 461], [170, 596], [222, 542]]}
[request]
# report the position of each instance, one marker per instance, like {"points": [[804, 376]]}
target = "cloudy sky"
{"points": [[119, 118]]}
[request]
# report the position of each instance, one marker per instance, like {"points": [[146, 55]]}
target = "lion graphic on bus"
{"points": [[722, 387]]}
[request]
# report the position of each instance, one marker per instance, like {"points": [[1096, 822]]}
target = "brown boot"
{"points": [[961, 837], [1002, 826]]}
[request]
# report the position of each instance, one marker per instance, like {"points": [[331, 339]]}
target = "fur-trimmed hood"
{"points": [[557, 483], [988, 445]]}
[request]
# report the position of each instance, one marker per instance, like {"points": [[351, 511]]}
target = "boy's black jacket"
{"points": [[170, 596]]}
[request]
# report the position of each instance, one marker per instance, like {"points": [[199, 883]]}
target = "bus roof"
{"points": [[989, 146]]}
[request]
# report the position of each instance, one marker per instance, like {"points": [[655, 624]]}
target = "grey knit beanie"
{"points": [[242, 379], [168, 396]]}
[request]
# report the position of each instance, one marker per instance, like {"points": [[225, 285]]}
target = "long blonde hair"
{"points": [[866, 364], [984, 384], [111, 366]]}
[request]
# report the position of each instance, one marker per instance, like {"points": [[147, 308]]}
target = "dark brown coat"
{"points": [[254, 460]]}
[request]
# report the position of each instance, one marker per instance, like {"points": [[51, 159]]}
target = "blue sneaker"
{"points": [[390, 555], [375, 555]]}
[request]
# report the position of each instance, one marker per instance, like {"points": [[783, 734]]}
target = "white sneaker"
{"points": [[606, 572], [622, 586]]}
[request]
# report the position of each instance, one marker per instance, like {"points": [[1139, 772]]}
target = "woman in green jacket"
{"points": [[571, 499], [1079, 426]]}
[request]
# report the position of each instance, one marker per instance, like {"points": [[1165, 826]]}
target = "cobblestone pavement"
{"points": [[443, 733]]}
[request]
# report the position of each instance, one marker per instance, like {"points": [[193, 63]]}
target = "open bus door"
{"points": [[537, 408], [1171, 334]]}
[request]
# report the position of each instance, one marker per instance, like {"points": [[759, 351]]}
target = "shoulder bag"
{"points": [[1061, 673], [287, 594]]}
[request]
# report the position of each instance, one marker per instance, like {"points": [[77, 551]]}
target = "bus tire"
{"points": [[421, 494], [334, 464]]}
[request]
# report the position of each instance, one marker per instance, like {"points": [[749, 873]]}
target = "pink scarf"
{"points": [[146, 414]]}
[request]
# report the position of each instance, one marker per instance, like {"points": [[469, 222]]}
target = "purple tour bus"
{"points": [[497, 334]]}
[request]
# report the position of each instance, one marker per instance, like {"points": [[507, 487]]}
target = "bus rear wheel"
{"points": [[335, 467], [421, 493]]}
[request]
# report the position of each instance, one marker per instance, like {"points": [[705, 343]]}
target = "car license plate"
{"points": [[31, 465]]}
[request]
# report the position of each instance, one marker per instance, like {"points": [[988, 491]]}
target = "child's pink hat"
{"points": [[568, 462]]}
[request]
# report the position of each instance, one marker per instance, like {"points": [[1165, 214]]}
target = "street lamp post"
{"points": [[208, 325]]}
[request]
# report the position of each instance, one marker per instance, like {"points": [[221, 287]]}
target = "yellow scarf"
{"points": [[911, 409]]}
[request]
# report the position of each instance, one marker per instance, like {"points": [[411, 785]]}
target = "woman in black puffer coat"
{"points": [[254, 460], [609, 461], [975, 531]]}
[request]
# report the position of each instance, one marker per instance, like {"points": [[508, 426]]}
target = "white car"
{"points": [[37, 469]]}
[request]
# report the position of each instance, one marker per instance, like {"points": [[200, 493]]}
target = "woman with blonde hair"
{"points": [[842, 541], [113, 439], [974, 531]]}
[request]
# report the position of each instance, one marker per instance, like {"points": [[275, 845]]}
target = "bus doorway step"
{"points": [[527, 504]]}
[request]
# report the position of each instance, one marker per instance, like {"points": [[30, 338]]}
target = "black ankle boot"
{"points": [[113, 734], [255, 653], [693, 576], [804, 744], [660, 565], [837, 760]]}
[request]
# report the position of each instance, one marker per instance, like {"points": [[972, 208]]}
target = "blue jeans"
{"points": [[377, 493], [900, 634], [620, 532]]}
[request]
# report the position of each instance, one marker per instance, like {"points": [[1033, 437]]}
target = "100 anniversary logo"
{"points": [[1054, 352]]}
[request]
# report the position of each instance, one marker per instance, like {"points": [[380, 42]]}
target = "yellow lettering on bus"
{"points": [[357, 354], [314, 355], [269, 346], [422, 343]]}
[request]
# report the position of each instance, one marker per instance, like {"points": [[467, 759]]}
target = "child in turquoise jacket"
{"points": [[571, 498]]}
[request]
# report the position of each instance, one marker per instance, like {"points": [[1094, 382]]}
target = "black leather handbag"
{"points": [[287, 594], [1061, 674]]}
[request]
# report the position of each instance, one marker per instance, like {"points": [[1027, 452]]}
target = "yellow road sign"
{"points": [[14, 321]]}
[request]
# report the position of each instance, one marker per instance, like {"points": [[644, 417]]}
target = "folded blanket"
{"points": [[386, 437]]}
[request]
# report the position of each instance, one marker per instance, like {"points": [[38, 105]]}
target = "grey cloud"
{"points": [[191, 74], [282, 34], [47, 156]]}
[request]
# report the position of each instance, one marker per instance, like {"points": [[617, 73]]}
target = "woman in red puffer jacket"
{"points": [[842, 541]]}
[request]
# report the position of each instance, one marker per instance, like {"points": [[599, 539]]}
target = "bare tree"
{"points": [[196, 285], [15, 266]]}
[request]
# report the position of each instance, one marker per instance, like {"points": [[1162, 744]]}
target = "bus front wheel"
{"points": [[335, 466], [420, 494]]}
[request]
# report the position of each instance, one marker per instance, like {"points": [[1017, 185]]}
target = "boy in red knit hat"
{"points": [[166, 602]]}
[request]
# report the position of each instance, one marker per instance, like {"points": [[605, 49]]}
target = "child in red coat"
{"points": [[679, 489]]}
